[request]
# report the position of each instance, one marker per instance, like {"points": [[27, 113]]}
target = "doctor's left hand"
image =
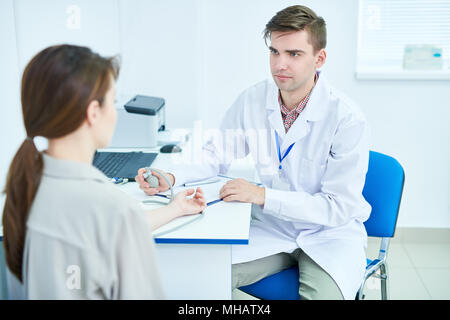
{"points": [[243, 191]]}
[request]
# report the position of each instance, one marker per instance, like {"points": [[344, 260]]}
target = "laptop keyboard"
{"points": [[112, 163]]}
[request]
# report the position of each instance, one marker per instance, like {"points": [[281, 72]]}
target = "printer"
{"points": [[138, 122]]}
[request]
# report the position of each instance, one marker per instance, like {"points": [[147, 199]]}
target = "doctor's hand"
{"points": [[144, 185], [184, 206], [243, 191]]}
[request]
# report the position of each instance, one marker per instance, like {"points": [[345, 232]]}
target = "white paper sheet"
{"points": [[211, 192]]}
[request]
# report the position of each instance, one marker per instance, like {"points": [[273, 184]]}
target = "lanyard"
{"points": [[279, 152]]}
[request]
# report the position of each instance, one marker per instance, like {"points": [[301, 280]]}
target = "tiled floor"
{"points": [[419, 266]]}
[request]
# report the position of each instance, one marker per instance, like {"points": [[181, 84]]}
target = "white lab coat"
{"points": [[324, 210]]}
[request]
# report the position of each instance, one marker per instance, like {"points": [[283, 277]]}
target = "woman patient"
{"points": [[69, 233]]}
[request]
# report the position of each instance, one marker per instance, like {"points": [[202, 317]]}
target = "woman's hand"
{"points": [[184, 206], [144, 185]]}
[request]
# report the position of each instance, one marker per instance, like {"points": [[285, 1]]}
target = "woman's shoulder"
{"points": [[87, 207]]}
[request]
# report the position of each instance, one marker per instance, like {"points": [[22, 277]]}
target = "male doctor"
{"points": [[312, 159]]}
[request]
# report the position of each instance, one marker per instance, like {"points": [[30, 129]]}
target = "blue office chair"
{"points": [[383, 190]]}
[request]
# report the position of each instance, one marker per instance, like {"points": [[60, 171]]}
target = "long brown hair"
{"points": [[57, 86]]}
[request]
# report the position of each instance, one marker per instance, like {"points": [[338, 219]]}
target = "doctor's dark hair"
{"points": [[297, 18], [57, 86]]}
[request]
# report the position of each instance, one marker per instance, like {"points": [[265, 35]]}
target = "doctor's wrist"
{"points": [[260, 196]]}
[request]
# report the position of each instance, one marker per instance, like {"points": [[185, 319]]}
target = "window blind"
{"points": [[386, 27]]}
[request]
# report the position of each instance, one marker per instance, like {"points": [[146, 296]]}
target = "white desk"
{"points": [[195, 260]]}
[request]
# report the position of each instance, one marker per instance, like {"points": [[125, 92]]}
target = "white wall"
{"points": [[159, 49], [11, 128], [48, 22], [200, 54]]}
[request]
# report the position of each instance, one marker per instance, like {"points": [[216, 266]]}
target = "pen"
{"points": [[223, 176], [213, 202], [162, 196], [200, 183]]}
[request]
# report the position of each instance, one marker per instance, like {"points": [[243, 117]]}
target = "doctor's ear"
{"points": [[93, 112], [320, 58]]}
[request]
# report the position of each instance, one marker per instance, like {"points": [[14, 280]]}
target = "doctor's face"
{"points": [[292, 59]]}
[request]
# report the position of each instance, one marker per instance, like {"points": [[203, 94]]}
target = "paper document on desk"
{"points": [[211, 192]]}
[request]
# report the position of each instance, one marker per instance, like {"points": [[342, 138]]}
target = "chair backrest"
{"points": [[383, 190]]}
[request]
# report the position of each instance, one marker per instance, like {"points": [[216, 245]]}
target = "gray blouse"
{"points": [[86, 239]]}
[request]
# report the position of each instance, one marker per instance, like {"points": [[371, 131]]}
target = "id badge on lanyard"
{"points": [[280, 182]]}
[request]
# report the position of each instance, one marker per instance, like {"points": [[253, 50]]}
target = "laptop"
{"points": [[122, 164]]}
